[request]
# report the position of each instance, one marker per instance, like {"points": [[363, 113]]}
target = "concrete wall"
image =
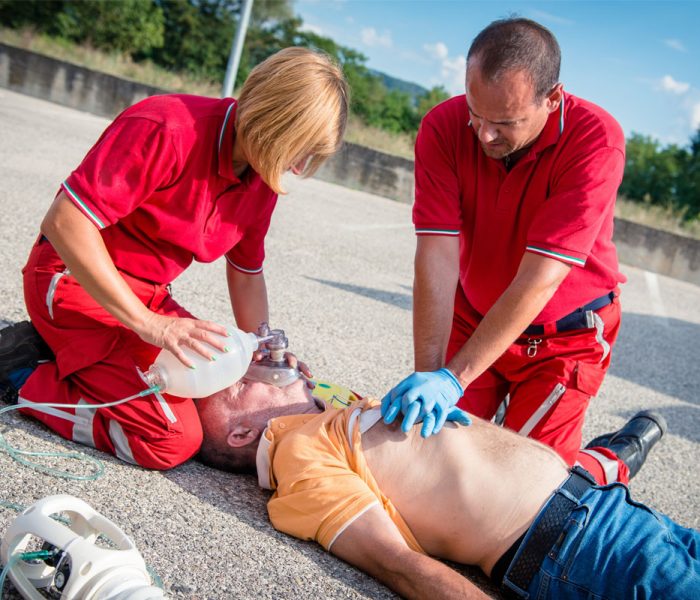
{"points": [[68, 84], [354, 166], [362, 168], [638, 245], [659, 251]]}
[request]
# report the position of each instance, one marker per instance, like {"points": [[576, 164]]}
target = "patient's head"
{"points": [[234, 419]]}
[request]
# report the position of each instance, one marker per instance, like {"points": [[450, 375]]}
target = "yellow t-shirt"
{"points": [[321, 480]]}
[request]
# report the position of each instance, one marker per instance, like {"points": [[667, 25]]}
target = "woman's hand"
{"points": [[294, 363], [176, 333]]}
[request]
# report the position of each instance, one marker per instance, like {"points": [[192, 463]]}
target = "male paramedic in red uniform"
{"points": [[515, 193]]}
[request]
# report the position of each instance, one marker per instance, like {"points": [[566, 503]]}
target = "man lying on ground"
{"points": [[22, 350], [386, 501], [479, 495]]}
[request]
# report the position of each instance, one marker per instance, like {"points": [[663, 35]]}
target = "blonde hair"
{"points": [[292, 105]]}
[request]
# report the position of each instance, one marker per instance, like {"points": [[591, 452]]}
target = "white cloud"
{"points": [[695, 117], [370, 37], [676, 45], [452, 69], [437, 50], [669, 84], [541, 15]]}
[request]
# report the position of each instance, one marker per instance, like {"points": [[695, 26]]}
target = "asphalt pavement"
{"points": [[339, 273]]}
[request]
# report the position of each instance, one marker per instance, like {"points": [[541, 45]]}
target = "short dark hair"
{"points": [[517, 44], [234, 460]]}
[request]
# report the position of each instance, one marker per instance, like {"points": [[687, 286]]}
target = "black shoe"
{"points": [[632, 443], [21, 347], [601, 441], [9, 395]]}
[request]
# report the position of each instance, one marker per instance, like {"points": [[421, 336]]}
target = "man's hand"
{"points": [[427, 396]]}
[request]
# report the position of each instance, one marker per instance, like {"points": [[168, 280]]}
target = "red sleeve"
{"points": [[132, 158], [582, 197], [248, 255], [437, 208]]}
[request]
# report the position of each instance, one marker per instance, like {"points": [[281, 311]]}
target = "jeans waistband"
{"points": [[578, 319], [544, 533]]}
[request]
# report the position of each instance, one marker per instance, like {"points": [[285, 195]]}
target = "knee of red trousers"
{"points": [[170, 451], [560, 427], [136, 436], [156, 444]]}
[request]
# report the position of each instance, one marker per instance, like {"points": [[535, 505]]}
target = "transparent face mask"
{"points": [[273, 368], [272, 373]]}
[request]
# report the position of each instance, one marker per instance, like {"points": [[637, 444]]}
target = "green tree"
{"points": [[129, 26], [40, 14], [650, 173], [398, 114], [431, 98], [268, 10], [197, 36], [689, 179]]}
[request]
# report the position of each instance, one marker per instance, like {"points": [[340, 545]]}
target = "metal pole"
{"points": [[234, 58]]}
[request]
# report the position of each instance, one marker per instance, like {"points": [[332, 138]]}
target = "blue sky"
{"points": [[638, 60]]}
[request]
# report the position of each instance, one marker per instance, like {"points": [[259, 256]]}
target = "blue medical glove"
{"points": [[456, 415], [422, 394]]}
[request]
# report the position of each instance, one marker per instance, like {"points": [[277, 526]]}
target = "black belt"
{"points": [[578, 319], [544, 534]]}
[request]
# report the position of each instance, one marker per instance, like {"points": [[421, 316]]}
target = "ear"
{"points": [[241, 436], [554, 97]]}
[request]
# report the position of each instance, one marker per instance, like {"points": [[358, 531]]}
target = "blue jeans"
{"points": [[612, 547]]}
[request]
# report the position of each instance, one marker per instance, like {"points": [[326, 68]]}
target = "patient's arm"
{"points": [[373, 543]]}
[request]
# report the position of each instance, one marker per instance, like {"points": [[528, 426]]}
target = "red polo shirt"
{"points": [[160, 186], [557, 201]]}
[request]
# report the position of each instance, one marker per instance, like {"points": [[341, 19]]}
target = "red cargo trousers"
{"points": [[98, 360], [550, 379]]}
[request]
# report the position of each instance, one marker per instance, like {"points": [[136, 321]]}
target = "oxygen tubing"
{"points": [[97, 466], [15, 558]]}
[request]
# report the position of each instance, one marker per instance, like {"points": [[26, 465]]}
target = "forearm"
{"points": [[248, 299], [434, 286], [80, 246], [530, 291], [422, 577], [374, 544]]}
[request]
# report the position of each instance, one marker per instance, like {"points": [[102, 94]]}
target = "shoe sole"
{"points": [[652, 415]]}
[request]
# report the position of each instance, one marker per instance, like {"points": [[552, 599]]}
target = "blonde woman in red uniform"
{"points": [[173, 179]]}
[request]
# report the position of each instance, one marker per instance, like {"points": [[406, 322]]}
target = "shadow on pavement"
{"points": [[662, 354], [240, 496], [682, 420], [402, 301]]}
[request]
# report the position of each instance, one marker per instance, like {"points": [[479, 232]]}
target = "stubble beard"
{"points": [[499, 153]]}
